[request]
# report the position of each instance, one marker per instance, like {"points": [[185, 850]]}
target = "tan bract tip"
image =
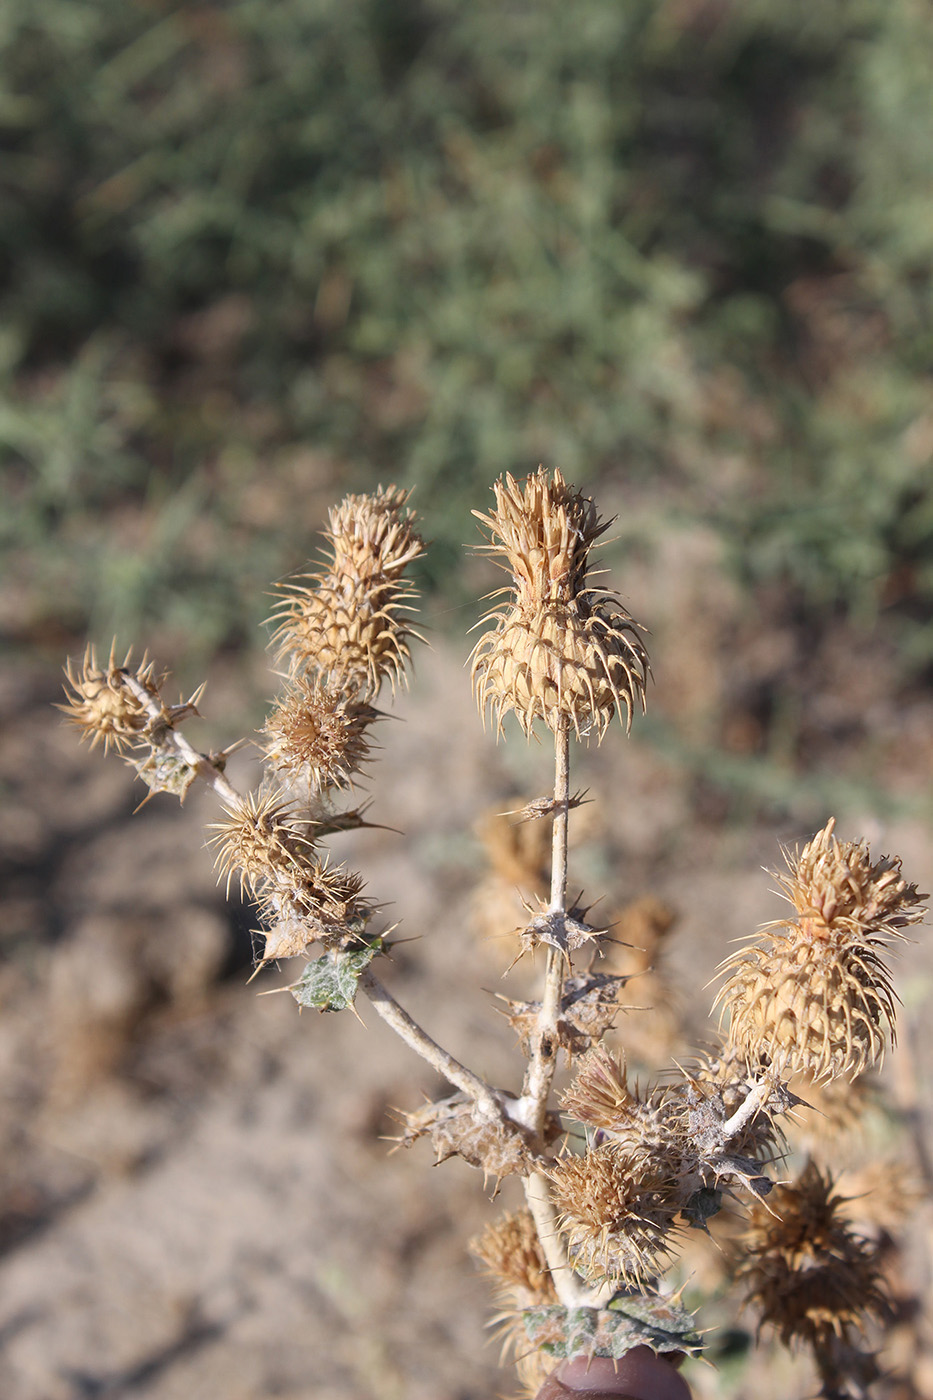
{"points": [[561, 651]]}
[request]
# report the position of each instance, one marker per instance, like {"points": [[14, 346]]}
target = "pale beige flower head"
{"points": [[104, 707], [814, 994], [561, 651], [346, 624], [318, 736]]}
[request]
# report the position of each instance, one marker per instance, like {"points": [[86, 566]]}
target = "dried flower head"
{"points": [[317, 734], [259, 840], [510, 1250], [561, 651], [600, 1094], [809, 1275], [814, 993], [303, 898], [104, 707], [345, 623], [617, 1210]]}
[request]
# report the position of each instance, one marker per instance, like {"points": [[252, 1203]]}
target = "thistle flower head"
{"points": [[511, 1252], [617, 1211], [103, 706], [814, 993], [600, 1094], [561, 651], [836, 888], [258, 840], [809, 1275], [303, 898], [317, 734], [344, 623]]}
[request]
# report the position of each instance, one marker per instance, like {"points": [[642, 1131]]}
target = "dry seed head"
{"points": [[260, 841], [817, 1009], [600, 1095], [561, 651], [344, 623], [315, 733], [810, 1276], [617, 1213], [511, 1252], [814, 994], [314, 898], [837, 889], [103, 706]]}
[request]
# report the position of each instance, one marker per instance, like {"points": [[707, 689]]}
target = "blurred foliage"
{"points": [[253, 254]]}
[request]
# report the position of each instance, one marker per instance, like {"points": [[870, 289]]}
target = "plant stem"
{"points": [[540, 1073], [418, 1040], [571, 1290], [384, 1003], [174, 739], [746, 1110]]}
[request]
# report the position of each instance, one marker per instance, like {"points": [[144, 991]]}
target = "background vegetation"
{"points": [[254, 255]]}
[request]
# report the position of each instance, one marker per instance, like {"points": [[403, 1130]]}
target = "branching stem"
{"points": [[174, 739], [384, 1003], [418, 1040], [571, 1290], [746, 1110]]}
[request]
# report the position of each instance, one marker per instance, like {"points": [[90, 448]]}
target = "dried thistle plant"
{"points": [[616, 1174]]}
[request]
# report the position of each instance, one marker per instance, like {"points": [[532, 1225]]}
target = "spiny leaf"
{"points": [[330, 982]]}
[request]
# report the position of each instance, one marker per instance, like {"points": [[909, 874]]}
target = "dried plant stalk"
{"points": [[579, 1270]]}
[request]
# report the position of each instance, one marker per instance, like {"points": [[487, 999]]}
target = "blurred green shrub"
{"points": [[251, 251]]}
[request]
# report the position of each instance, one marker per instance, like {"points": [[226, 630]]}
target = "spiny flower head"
{"points": [[259, 840], [317, 734], [814, 993], [617, 1210], [600, 1094], [303, 898], [561, 651], [510, 1250], [104, 707], [836, 888], [344, 623], [809, 1275]]}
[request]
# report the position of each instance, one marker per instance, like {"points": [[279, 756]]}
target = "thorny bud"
{"points": [[561, 650], [811, 1277], [459, 1127], [511, 1252], [814, 991], [589, 1006], [303, 898], [617, 1212], [343, 623], [104, 707], [316, 734]]}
